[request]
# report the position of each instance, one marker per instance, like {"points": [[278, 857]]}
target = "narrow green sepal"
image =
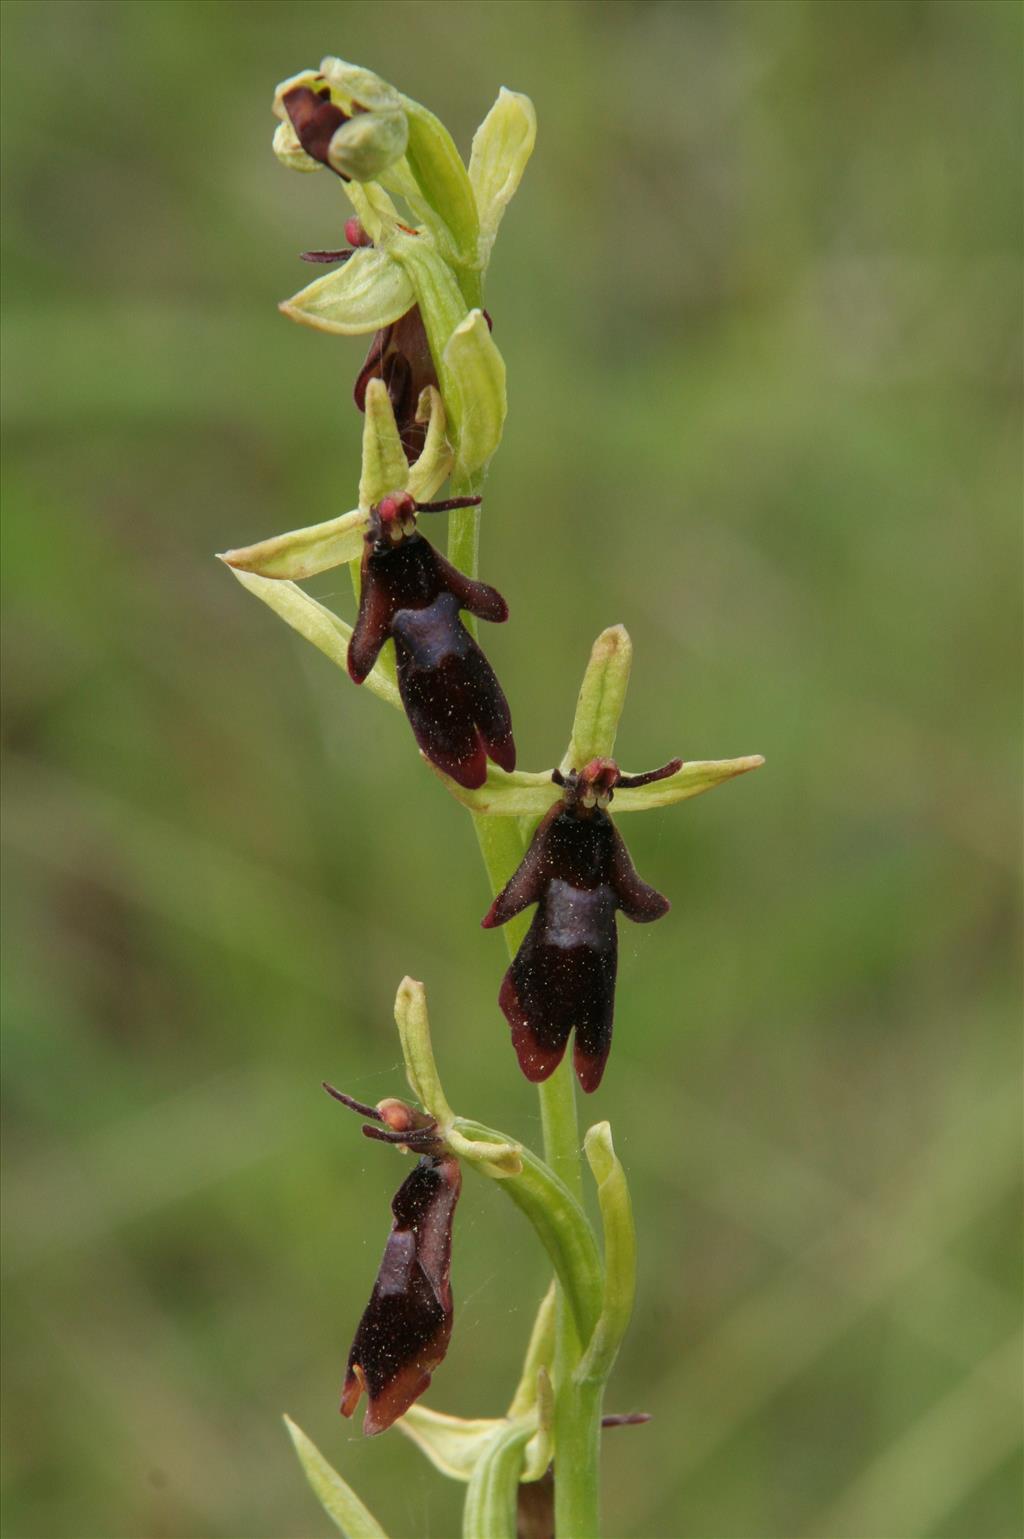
{"points": [[442, 178], [477, 370], [490, 1509], [539, 1448], [601, 699], [451, 1443], [335, 1495], [385, 467], [619, 1255], [413, 1022], [540, 1353], [693, 779], [368, 292], [502, 145], [304, 552], [320, 625]]}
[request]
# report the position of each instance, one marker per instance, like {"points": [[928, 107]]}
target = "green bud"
{"points": [[502, 145], [367, 293], [353, 87], [336, 1496], [368, 144]]}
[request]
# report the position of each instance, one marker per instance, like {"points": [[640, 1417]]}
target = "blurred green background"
{"points": [[759, 301]]}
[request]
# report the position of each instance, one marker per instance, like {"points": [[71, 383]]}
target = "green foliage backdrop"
{"points": [[759, 302]]}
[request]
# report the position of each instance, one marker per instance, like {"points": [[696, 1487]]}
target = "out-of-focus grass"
{"points": [[759, 300]]}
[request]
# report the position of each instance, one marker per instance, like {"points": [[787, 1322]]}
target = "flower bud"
{"points": [[366, 145]]}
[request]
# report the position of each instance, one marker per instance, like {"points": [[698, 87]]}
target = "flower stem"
{"points": [[577, 1406]]}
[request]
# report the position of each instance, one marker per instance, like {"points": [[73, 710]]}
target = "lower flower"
{"points": [[405, 1329]]}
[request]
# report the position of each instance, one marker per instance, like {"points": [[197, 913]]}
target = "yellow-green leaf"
{"points": [[336, 1496], [693, 779]]}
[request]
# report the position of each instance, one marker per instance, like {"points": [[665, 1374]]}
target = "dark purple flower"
{"points": [[400, 355], [578, 872], [405, 1328], [454, 703]]}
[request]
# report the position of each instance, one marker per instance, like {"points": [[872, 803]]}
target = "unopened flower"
{"points": [[578, 872], [405, 1328], [411, 593]]}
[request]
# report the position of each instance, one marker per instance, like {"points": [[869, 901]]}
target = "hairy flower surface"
{"points": [[411, 593], [578, 872]]}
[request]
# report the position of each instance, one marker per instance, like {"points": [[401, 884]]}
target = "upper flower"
{"points": [[413, 594]]}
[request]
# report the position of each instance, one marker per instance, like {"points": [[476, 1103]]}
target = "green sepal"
{"points": [[335, 1495], [502, 145], [368, 292], [385, 468], [693, 779], [540, 1353], [490, 1508], [452, 1444], [304, 552], [321, 626], [496, 1156], [619, 1232], [477, 370], [442, 178], [529, 794], [601, 699], [538, 1449]]}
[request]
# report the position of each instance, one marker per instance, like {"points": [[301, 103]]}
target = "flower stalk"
{"points": [[433, 393]]}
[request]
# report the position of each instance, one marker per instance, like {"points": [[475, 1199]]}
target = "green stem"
{"points": [[577, 1406]]}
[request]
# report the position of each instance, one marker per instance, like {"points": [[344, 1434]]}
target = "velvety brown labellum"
{"points": [[453, 700], [400, 356], [406, 1326], [578, 872], [315, 120]]}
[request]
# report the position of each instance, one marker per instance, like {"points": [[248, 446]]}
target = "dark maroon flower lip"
{"points": [[405, 1328], [579, 874], [315, 119], [400, 355], [412, 595]]}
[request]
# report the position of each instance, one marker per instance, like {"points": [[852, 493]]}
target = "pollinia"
{"points": [[419, 237]]}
